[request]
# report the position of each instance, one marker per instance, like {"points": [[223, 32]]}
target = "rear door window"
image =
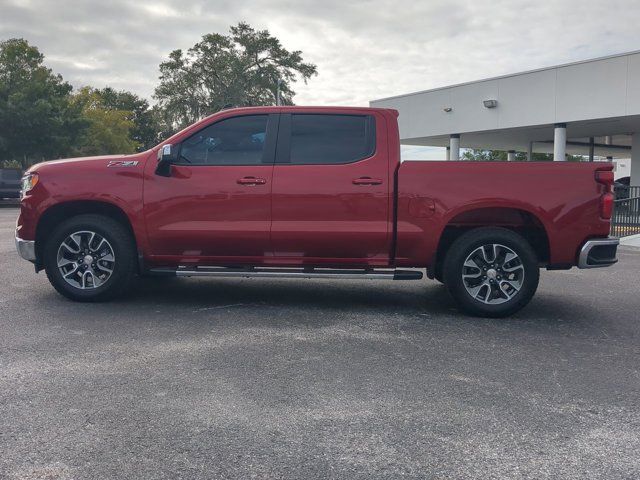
{"points": [[319, 139]]}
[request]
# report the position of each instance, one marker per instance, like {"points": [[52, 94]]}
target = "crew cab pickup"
{"points": [[305, 192]]}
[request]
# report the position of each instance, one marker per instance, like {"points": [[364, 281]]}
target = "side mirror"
{"points": [[165, 157]]}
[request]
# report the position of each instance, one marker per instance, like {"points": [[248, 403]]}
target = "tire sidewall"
{"points": [[470, 241]]}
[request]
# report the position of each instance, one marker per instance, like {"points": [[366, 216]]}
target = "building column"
{"points": [[511, 156], [448, 157], [530, 152], [560, 142], [635, 160], [454, 145]]}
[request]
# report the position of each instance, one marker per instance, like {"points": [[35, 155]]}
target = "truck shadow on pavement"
{"points": [[313, 297], [375, 296]]}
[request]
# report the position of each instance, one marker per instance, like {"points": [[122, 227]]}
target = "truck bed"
{"points": [[561, 197]]}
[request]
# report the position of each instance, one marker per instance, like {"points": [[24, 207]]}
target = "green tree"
{"points": [[162, 122], [145, 128], [239, 69], [480, 155], [37, 119], [485, 155], [109, 130]]}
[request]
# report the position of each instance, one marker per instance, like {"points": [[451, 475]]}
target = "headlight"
{"points": [[29, 181]]}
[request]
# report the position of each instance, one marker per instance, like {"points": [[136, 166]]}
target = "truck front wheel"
{"points": [[491, 272], [90, 258]]}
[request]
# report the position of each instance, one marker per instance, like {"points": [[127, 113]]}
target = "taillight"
{"points": [[605, 178], [606, 205]]}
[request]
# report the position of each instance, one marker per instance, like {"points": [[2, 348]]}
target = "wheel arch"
{"points": [[520, 220], [59, 212]]}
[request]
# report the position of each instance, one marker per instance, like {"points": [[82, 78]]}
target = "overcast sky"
{"points": [[363, 49]]}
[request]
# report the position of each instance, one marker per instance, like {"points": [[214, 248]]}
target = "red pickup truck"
{"points": [[305, 192]]}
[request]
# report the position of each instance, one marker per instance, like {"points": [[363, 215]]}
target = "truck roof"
{"points": [[296, 108]]}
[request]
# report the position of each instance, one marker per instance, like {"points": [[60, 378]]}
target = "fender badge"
{"points": [[122, 163]]}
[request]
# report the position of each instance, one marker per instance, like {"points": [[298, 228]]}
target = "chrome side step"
{"points": [[273, 272]]}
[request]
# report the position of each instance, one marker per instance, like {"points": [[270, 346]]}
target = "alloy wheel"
{"points": [[493, 274], [85, 260]]}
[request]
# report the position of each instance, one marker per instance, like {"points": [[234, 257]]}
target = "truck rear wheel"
{"points": [[90, 258], [491, 272]]}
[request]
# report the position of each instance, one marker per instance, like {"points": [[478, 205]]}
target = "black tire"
{"points": [[470, 242], [119, 240], [438, 275]]}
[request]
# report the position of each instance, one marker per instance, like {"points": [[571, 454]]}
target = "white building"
{"points": [[587, 108]]}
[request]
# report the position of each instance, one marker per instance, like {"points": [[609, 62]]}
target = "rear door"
{"points": [[331, 187]]}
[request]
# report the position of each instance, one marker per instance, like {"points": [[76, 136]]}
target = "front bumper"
{"points": [[598, 252], [26, 249]]}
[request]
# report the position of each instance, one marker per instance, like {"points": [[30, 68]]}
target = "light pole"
{"points": [[278, 101]]}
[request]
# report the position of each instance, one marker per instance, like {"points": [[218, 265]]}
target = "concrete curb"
{"points": [[630, 241]]}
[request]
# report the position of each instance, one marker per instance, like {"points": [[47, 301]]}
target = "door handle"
{"points": [[251, 181], [366, 181]]}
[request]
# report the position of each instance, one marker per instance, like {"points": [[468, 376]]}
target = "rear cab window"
{"points": [[328, 139]]}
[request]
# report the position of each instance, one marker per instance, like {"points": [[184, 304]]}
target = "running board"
{"points": [[272, 272]]}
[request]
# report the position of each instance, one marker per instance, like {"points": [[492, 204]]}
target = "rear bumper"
{"points": [[26, 249], [598, 252]]}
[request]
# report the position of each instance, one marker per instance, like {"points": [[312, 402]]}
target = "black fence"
{"points": [[626, 212]]}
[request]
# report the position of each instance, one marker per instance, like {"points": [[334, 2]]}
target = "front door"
{"points": [[331, 190], [215, 206]]}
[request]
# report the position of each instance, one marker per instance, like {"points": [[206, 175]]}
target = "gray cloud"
{"points": [[364, 50]]}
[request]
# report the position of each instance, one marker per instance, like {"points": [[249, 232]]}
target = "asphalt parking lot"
{"points": [[253, 378]]}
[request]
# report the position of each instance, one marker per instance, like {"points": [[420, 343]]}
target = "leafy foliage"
{"points": [[501, 156], [145, 127], [37, 119], [109, 129], [239, 69]]}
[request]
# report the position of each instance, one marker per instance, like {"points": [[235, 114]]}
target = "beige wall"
{"points": [[598, 89]]}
